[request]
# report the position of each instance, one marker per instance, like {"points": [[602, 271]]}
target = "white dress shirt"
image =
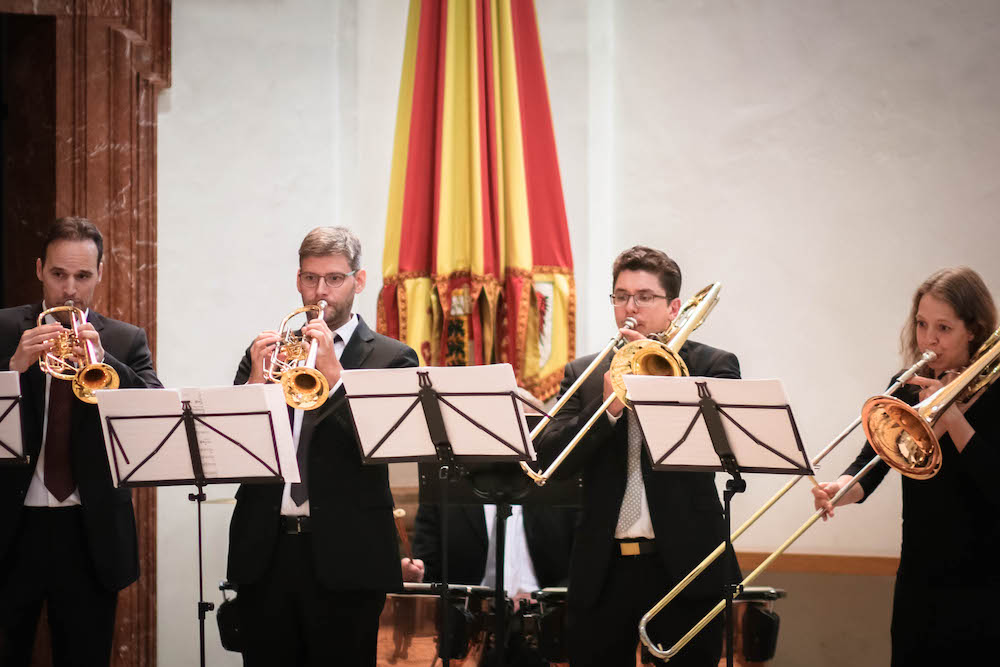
{"points": [[38, 495], [288, 506], [518, 570]]}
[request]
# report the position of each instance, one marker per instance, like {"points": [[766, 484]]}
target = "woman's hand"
{"points": [[824, 493], [952, 420]]}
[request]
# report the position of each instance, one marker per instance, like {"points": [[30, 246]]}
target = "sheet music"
{"points": [[146, 440], [379, 397], [10, 423], [242, 428], [755, 417]]}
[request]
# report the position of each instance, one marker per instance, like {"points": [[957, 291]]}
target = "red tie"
{"points": [[58, 475]]}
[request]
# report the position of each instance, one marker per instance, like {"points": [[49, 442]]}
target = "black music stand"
{"points": [[11, 441], [165, 460], [500, 434], [719, 425]]}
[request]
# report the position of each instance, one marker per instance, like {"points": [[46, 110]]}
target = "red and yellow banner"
{"points": [[477, 266]]}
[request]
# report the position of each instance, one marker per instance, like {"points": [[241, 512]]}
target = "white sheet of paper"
{"points": [[375, 414], [10, 426], [664, 426], [221, 457]]}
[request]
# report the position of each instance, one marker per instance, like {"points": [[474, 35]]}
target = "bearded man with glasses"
{"points": [[313, 561], [641, 531]]}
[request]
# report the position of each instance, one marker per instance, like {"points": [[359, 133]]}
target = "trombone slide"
{"points": [[719, 550]]}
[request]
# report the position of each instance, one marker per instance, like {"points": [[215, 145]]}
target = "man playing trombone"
{"points": [[67, 535], [313, 561], [641, 531]]}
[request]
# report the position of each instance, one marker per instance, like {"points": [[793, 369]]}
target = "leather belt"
{"points": [[641, 547], [295, 525]]}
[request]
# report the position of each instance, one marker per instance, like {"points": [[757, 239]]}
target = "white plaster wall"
{"points": [[279, 119], [819, 158]]}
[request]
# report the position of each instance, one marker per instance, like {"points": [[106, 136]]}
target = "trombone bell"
{"points": [[901, 437], [644, 357]]}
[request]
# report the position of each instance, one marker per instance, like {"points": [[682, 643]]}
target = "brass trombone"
{"points": [[656, 649], [304, 387], [657, 355], [901, 435], [89, 377]]}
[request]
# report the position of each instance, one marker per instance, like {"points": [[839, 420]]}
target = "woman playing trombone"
{"points": [[947, 582]]}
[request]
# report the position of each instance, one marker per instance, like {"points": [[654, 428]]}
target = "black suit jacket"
{"points": [[549, 532], [684, 506], [350, 505], [107, 511]]}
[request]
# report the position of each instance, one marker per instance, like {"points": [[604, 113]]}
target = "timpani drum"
{"points": [[409, 627]]}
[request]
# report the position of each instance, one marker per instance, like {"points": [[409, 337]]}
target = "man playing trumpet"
{"points": [[313, 561], [67, 536]]}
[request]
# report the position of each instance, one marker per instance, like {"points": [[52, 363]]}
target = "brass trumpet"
{"points": [[657, 355], [89, 377], [901, 435], [304, 387]]}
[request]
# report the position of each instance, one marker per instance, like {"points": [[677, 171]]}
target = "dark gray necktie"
{"points": [[300, 490]]}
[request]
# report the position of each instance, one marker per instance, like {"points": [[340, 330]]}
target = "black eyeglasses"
{"points": [[642, 299], [332, 280]]}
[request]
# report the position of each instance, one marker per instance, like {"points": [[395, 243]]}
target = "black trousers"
{"points": [[289, 618], [607, 634], [936, 623], [49, 562]]}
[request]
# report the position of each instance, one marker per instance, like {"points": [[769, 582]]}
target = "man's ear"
{"points": [[675, 308]]}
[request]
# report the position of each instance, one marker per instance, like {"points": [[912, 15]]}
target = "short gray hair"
{"points": [[324, 241]]}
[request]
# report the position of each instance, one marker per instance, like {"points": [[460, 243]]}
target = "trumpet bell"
{"points": [[91, 378], [304, 388], [901, 437]]}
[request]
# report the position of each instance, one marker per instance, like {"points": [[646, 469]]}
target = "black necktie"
{"points": [[300, 490], [58, 475]]}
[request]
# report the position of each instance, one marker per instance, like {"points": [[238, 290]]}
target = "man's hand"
{"points": [[616, 407], [413, 570], [88, 333], [326, 357], [261, 349], [33, 344]]}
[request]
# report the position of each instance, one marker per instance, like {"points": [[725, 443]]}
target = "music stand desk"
{"points": [[11, 438], [198, 436]]}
